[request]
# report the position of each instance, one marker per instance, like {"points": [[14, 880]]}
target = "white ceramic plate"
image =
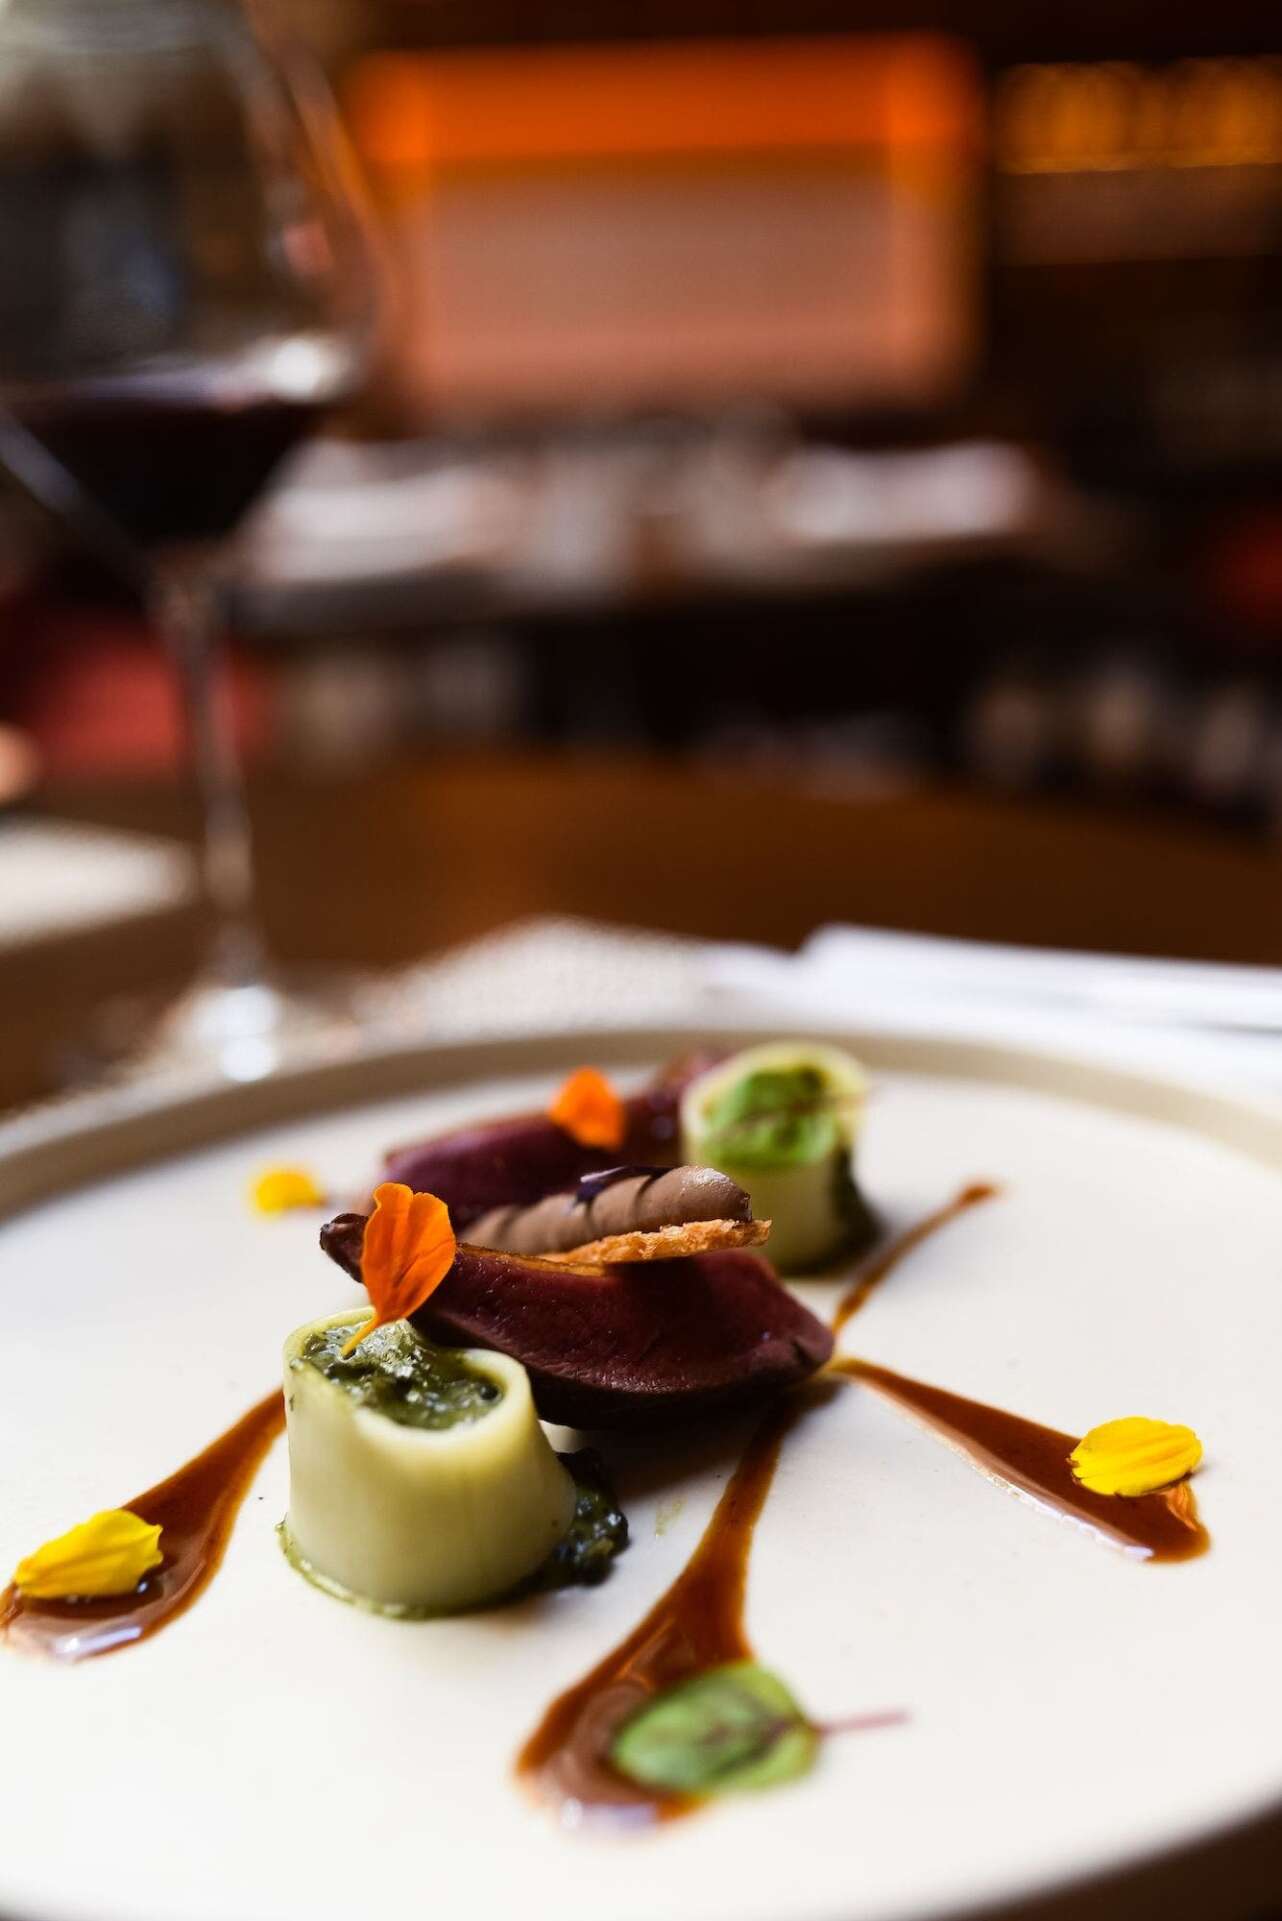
{"points": [[274, 1754]]}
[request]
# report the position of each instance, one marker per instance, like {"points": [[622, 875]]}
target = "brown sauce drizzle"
{"points": [[196, 1508], [874, 1271], [1162, 1526], [698, 1624]]}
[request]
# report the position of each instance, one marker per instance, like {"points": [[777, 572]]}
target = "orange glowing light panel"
{"points": [[784, 219], [444, 112]]}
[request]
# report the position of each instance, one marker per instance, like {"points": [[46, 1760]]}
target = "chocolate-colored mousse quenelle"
{"points": [[642, 1344], [619, 1202]]}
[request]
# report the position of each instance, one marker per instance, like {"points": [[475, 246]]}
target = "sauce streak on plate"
{"points": [[874, 1271], [697, 1624], [196, 1508], [1032, 1459]]}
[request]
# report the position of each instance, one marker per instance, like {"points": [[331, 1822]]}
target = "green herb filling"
{"points": [[780, 1117], [399, 1375]]}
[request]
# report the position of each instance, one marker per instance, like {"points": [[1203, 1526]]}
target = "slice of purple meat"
{"points": [[629, 1346], [515, 1161]]}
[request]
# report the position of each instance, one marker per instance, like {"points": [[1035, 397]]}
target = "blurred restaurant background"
{"points": [[829, 399]]}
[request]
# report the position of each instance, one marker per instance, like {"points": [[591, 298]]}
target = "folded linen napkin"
{"points": [[58, 879], [1189, 1019]]}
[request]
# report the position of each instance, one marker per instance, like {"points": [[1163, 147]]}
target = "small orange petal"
{"points": [[409, 1249], [590, 1109]]}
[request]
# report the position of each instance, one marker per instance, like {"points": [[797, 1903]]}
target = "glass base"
{"points": [[250, 1031], [238, 1033]]}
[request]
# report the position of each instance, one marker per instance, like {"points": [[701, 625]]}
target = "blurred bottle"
{"points": [[1135, 245]]}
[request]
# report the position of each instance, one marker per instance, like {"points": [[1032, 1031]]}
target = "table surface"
{"points": [[386, 868], [382, 869]]}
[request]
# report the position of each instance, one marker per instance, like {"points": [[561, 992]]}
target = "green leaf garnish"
{"points": [[727, 1731], [780, 1117]]}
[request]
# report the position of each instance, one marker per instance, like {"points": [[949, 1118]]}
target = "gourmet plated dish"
{"points": [[616, 1263]]}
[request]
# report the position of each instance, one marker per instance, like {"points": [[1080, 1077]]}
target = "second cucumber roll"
{"points": [[782, 1120]]}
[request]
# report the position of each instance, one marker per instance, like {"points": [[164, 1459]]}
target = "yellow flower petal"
{"points": [[108, 1554], [279, 1188], [1135, 1456]]}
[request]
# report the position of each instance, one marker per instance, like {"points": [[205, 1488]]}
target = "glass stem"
{"points": [[188, 609]]}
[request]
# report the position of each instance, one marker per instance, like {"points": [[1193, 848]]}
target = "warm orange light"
{"points": [[424, 114], [1117, 116]]}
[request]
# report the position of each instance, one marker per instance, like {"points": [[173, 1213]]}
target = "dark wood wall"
{"points": [[1011, 28]]}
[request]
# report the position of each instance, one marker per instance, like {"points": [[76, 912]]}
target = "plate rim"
{"points": [[90, 1137], [78, 1142]]}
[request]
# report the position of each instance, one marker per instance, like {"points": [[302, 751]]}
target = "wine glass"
{"points": [[189, 283]]}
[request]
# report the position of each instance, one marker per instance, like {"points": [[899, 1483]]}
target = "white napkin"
{"points": [[566, 975], [1214, 1024], [562, 975], [549, 974], [58, 879]]}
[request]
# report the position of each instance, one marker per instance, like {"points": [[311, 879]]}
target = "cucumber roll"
{"points": [[420, 1480], [781, 1120]]}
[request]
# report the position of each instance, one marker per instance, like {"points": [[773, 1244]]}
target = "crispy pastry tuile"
{"points": [[676, 1243]]}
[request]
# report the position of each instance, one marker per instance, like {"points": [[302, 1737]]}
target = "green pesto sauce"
{"points": [[396, 1373], [598, 1533]]}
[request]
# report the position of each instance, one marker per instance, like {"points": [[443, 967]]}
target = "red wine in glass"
{"points": [[168, 459], [189, 283]]}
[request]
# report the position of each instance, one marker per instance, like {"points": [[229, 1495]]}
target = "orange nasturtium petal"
{"points": [[409, 1249], [107, 1554], [589, 1108]]}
